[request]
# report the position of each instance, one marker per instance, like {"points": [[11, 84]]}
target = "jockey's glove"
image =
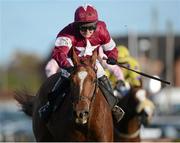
{"points": [[111, 61]]}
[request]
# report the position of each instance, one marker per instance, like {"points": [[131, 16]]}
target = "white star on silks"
{"points": [[88, 50]]}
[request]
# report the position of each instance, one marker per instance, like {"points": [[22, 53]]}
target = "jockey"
{"points": [[131, 79], [86, 34]]}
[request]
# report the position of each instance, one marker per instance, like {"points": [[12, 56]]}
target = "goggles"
{"points": [[85, 28]]}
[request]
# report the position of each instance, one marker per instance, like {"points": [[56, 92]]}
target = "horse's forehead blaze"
{"points": [[82, 75]]}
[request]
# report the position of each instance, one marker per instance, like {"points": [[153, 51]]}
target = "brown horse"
{"points": [[84, 114], [134, 104]]}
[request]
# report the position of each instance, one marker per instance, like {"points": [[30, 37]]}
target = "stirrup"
{"points": [[118, 113]]}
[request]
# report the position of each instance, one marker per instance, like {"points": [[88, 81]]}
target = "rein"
{"points": [[95, 89], [81, 97]]}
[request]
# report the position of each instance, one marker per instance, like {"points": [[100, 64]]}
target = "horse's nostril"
{"points": [[83, 114]]}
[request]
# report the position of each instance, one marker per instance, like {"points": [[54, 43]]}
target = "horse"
{"points": [[136, 106], [84, 114]]}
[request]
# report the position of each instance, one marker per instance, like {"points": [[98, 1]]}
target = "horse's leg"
{"points": [[40, 130]]}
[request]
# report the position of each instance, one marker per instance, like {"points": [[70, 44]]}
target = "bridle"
{"points": [[82, 102], [91, 98]]}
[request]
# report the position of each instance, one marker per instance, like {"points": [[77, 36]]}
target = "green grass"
{"points": [[21, 80]]}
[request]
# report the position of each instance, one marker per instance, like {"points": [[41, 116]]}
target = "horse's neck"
{"points": [[133, 125], [129, 126], [99, 102], [129, 132], [100, 115]]}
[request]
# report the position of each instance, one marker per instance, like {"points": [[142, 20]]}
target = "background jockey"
{"points": [[86, 34], [122, 84], [124, 56], [128, 78], [132, 79]]}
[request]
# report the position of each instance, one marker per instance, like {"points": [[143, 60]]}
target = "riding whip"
{"points": [[141, 73]]}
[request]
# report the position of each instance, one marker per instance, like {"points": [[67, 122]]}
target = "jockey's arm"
{"points": [[60, 52], [114, 69], [108, 45], [59, 56]]}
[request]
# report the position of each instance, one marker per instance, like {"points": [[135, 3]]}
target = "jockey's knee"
{"points": [[100, 70], [51, 68]]}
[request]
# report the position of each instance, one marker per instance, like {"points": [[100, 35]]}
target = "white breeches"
{"points": [[52, 67]]}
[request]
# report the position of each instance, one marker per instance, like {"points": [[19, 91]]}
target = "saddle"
{"points": [[58, 92]]}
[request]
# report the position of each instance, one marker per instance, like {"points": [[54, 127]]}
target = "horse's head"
{"points": [[83, 87], [145, 107], [138, 110], [137, 104]]}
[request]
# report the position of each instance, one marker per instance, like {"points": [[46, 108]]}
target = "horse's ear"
{"points": [[94, 57], [75, 58]]}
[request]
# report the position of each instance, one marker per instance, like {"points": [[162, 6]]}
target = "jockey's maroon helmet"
{"points": [[86, 14]]}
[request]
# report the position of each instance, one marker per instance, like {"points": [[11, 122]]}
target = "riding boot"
{"points": [[57, 91], [107, 90]]}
